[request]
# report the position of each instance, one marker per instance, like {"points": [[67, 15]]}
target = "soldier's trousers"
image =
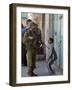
{"points": [[31, 58]]}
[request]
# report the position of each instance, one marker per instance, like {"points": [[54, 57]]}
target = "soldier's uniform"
{"points": [[31, 47]]}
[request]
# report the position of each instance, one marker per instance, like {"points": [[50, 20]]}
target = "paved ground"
{"points": [[42, 70]]}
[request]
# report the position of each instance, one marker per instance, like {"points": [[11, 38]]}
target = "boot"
{"points": [[30, 72], [34, 74]]}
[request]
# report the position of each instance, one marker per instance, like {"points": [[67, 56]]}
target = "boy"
{"points": [[51, 53]]}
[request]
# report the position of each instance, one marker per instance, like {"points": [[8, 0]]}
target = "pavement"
{"points": [[42, 69]]}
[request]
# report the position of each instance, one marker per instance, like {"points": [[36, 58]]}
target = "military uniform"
{"points": [[31, 47]]}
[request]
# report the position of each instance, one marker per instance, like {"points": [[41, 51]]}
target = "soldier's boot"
{"points": [[33, 72], [30, 72]]}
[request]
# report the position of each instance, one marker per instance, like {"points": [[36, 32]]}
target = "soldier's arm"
{"points": [[25, 38]]}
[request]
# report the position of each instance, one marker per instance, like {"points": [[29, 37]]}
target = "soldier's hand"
{"points": [[41, 45], [30, 37]]}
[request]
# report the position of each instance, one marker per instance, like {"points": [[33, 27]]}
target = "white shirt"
{"points": [[50, 47]]}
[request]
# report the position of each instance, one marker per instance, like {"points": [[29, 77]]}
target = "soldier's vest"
{"points": [[35, 43]]}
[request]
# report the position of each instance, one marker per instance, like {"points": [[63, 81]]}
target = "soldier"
{"points": [[32, 40], [23, 30]]}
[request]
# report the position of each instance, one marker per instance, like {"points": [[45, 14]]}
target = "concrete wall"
{"points": [[53, 28]]}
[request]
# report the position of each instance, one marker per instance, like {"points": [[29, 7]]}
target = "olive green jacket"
{"points": [[32, 43]]}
